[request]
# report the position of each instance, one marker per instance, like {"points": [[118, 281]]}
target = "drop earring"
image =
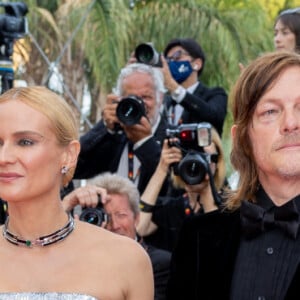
{"points": [[64, 170]]}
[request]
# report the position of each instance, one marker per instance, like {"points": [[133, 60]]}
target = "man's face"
{"points": [[141, 85], [275, 129], [177, 53], [121, 218]]}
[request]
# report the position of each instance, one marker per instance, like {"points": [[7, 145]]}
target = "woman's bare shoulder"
{"points": [[100, 238]]}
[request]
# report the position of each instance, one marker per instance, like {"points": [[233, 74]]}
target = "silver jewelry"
{"points": [[46, 240], [64, 170]]}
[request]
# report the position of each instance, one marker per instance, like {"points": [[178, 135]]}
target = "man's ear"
{"points": [[197, 64]]}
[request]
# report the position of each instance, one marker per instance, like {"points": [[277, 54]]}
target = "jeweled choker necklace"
{"points": [[46, 240]]}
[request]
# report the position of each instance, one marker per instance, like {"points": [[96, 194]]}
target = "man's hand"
{"points": [[109, 115], [138, 131], [87, 196], [169, 82]]}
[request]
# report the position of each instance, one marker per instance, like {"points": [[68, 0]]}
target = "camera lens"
{"points": [[193, 168], [130, 110], [146, 53], [93, 216]]}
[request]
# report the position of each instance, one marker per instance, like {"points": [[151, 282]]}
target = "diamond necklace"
{"points": [[46, 240]]}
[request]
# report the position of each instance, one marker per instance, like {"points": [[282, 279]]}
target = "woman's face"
{"points": [[30, 157], [284, 38]]}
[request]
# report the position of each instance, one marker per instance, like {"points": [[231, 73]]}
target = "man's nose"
{"points": [[290, 121]]}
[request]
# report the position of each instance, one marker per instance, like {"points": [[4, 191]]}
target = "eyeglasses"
{"points": [[177, 55]]}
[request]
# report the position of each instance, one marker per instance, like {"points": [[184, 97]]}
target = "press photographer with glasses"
{"points": [[188, 100]]}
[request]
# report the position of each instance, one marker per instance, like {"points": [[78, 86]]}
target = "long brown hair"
{"points": [[252, 84], [291, 19]]}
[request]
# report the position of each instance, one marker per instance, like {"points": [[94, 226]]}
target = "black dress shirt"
{"points": [[204, 261], [267, 263]]}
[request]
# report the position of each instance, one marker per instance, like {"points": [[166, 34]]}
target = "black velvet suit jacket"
{"points": [[160, 260], [101, 152], [204, 105], [203, 261]]}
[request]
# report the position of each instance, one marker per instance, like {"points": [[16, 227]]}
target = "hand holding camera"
{"points": [[91, 199], [128, 114], [95, 215], [170, 154], [147, 54], [191, 140], [109, 112]]}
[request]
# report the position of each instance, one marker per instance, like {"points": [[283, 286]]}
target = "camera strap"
{"points": [[131, 164], [130, 161], [174, 114]]}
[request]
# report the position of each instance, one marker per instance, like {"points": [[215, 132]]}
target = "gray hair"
{"points": [[155, 73], [116, 184]]}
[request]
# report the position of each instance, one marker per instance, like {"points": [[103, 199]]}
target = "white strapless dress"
{"points": [[45, 296]]}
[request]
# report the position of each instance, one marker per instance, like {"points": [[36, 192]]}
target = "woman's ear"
{"points": [[233, 131], [69, 161], [72, 152]]}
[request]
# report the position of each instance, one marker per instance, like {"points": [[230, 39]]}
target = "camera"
{"points": [[13, 25], [146, 53], [130, 110], [95, 216], [191, 139]]}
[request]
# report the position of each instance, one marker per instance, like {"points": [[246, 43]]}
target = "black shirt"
{"points": [[169, 214], [266, 264]]}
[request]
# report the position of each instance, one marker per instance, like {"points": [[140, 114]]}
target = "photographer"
{"points": [[130, 149], [119, 213], [162, 217], [86, 196], [189, 100]]}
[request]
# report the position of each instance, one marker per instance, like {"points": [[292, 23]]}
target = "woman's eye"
{"points": [[25, 142]]}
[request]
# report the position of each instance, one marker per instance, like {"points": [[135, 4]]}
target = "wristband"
{"points": [[178, 94], [145, 207]]}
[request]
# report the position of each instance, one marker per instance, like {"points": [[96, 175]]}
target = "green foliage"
{"points": [[106, 40], [230, 31]]}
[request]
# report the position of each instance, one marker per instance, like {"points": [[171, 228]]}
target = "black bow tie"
{"points": [[255, 219]]}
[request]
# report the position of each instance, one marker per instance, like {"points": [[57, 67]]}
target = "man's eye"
{"points": [[121, 215], [270, 112], [25, 142]]}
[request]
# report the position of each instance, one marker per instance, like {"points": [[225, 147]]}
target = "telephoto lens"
{"points": [[130, 110], [146, 53]]}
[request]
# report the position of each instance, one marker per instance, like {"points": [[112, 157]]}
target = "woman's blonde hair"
{"points": [[56, 109]]}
